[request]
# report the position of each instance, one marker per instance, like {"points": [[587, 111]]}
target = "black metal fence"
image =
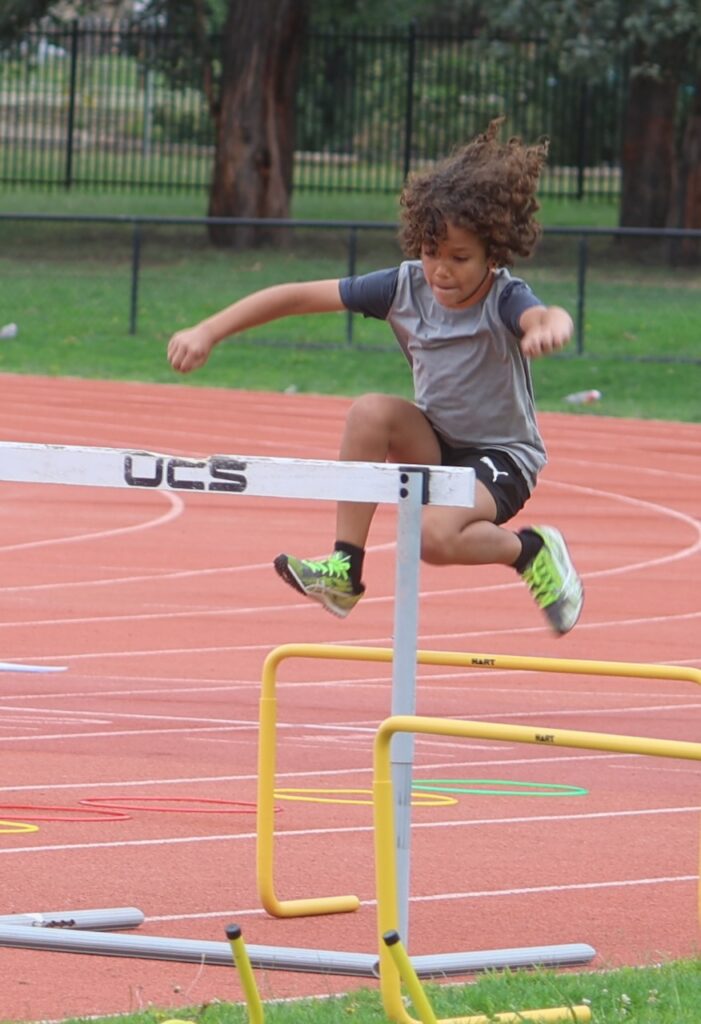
{"points": [[90, 105], [116, 272]]}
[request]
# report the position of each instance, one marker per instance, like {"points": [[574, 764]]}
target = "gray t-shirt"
{"points": [[471, 379]]}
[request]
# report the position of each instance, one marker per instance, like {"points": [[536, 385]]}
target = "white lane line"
{"points": [[511, 631], [176, 509], [11, 666], [530, 890], [313, 774], [103, 717], [457, 675], [661, 510], [539, 819], [35, 721], [78, 715], [125, 732]]}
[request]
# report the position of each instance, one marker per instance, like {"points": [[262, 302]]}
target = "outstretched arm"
{"points": [[545, 329], [190, 348]]}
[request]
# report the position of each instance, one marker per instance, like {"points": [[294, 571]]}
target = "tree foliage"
{"points": [[664, 34], [659, 39], [16, 15], [436, 15]]}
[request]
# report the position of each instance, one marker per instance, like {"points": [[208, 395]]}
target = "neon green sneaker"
{"points": [[553, 581], [326, 580]]}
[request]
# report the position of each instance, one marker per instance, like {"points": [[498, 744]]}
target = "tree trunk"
{"points": [[647, 156], [254, 121], [685, 211]]}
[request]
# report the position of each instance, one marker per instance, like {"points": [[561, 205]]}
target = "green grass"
{"points": [[305, 205], [68, 288], [665, 994]]}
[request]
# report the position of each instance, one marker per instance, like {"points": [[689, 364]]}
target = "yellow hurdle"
{"points": [[268, 736], [393, 957], [248, 981], [406, 972], [424, 1009], [385, 860]]}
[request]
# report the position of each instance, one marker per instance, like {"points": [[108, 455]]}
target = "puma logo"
{"points": [[495, 472]]}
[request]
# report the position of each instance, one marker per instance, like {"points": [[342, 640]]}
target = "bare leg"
{"points": [[457, 536], [381, 428]]}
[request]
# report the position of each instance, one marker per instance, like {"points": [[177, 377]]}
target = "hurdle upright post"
{"points": [[413, 494]]}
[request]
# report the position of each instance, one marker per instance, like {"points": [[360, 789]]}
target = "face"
{"points": [[457, 268]]}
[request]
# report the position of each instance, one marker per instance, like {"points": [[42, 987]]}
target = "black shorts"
{"points": [[497, 471]]}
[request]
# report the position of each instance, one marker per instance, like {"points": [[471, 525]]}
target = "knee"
{"points": [[369, 410], [435, 546]]}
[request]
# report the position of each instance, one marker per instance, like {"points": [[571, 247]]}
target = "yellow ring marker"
{"points": [[419, 799], [11, 828]]}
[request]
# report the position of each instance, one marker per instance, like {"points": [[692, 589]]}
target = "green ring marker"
{"points": [[501, 787]]}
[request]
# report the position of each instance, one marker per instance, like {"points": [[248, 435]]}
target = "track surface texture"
{"points": [[129, 778]]}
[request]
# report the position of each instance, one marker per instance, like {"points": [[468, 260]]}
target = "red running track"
{"points": [[162, 607]]}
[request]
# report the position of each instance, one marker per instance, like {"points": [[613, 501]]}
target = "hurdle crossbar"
{"points": [[254, 475]]}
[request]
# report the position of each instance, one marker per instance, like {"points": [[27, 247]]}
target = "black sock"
{"points": [[531, 543], [356, 556]]}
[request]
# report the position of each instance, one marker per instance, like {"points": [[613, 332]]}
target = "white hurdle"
{"points": [[410, 487]]}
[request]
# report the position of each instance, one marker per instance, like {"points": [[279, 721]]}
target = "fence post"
{"points": [[582, 140], [68, 176], [409, 110], [582, 261], [135, 265]]}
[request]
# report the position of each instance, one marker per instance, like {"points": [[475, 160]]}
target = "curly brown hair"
{"points": [[486, 186]]}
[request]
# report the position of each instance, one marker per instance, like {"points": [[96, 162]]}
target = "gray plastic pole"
{"points": [[217, 954], [286, 958], [440, 964]]}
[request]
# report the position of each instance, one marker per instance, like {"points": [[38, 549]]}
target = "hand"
{"points": [[189, 349], [546, 330], [542, 340]]}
